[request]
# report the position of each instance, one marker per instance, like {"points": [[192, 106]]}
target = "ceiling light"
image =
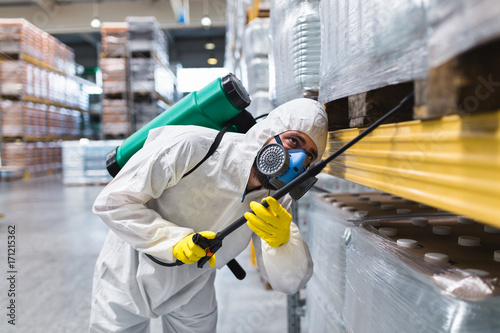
{"points": [[206, 22], [95, 23], [212, 60], [209, 46]]}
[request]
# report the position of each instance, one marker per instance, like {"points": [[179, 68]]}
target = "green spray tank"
{"points": [[214, 106]]}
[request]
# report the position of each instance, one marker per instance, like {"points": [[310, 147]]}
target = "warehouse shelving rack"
{"points": [[115, 117], [36, 62], [451, 163], [126, 92], [150, 89]]}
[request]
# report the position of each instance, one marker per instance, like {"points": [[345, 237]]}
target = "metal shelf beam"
{"points": [[452, 163]]}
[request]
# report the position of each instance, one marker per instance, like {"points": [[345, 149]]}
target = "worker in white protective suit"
{"points": [[151, 209]]}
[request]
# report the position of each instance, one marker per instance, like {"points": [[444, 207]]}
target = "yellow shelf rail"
{"points": [[452, 163]]}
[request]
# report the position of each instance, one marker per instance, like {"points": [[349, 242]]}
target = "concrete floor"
{"points": [[57, 241]]}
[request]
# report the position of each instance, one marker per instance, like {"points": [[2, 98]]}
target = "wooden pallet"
{"points": [[465, 85], [362, 110], [120, 136]]}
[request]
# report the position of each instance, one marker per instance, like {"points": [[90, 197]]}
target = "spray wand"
{"points": [[213, 245]]}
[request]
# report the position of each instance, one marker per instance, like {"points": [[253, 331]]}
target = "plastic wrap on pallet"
{"points": [[114, 75], [114, 36], [371, 44], [165, 82], [457, 26], [35, 158], [261, 103], [230, 38], [84, 161], [256, 49], [258, 74], [321, 316], [141, 72], [236, 17], [256, 38], [146, 111], [395, 291], [18, 36], [307, 45], [327, 234], [294, 55], [115, 117], [146, 36]]}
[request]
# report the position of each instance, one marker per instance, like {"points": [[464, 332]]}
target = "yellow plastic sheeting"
{"points": [[452, 163]]}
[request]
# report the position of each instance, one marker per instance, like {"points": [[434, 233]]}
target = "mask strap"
{"points": [[278, 140]]}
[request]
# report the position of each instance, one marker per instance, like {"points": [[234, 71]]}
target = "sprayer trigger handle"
{"points": [[209, 245]]}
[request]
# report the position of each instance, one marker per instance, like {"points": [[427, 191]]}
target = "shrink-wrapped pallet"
{"points": [[325, 291], [458, 26], [258, 74], [256, 38], [149, 79], [295, 52], [371, 44], [114, 40], [145, 36], [306, 50], [31, 157], [261, 103], [114, 75], [18, 36], [142, 75], [145, 111], [115, 117], [331, 217], [11, 117], [438, 275], [84, 162], [256, 46]]}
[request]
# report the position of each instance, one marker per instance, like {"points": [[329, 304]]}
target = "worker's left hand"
{"points": [[272, 224], [188, 252]]}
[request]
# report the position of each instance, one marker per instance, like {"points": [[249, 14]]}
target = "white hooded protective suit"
{"points": [[149, 207]]}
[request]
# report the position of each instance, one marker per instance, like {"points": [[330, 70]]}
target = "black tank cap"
{"points": [[112, 164], [235, 91]]}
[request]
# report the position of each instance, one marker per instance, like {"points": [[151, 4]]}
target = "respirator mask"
{"points": [[281, 166]]}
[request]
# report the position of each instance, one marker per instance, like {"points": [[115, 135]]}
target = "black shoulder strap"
{"points": [[212, 149], [243, 121]]}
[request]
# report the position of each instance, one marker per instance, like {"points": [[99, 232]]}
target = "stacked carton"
{"points": [[115, 118], [40, 98]]}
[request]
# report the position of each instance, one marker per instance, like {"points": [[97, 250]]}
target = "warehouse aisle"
{"points": [[57, 242]]}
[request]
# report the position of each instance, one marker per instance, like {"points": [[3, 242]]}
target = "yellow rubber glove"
{"points": [[272, 224], [188, 252]]}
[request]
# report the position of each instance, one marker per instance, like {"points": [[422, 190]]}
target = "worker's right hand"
{"points": [[188, 252], [272, 224]]}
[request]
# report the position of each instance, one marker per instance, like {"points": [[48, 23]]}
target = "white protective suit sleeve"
{"points": [[122, 205]]}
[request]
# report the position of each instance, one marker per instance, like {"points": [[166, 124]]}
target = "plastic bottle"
{"points": [[307, 45]]}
